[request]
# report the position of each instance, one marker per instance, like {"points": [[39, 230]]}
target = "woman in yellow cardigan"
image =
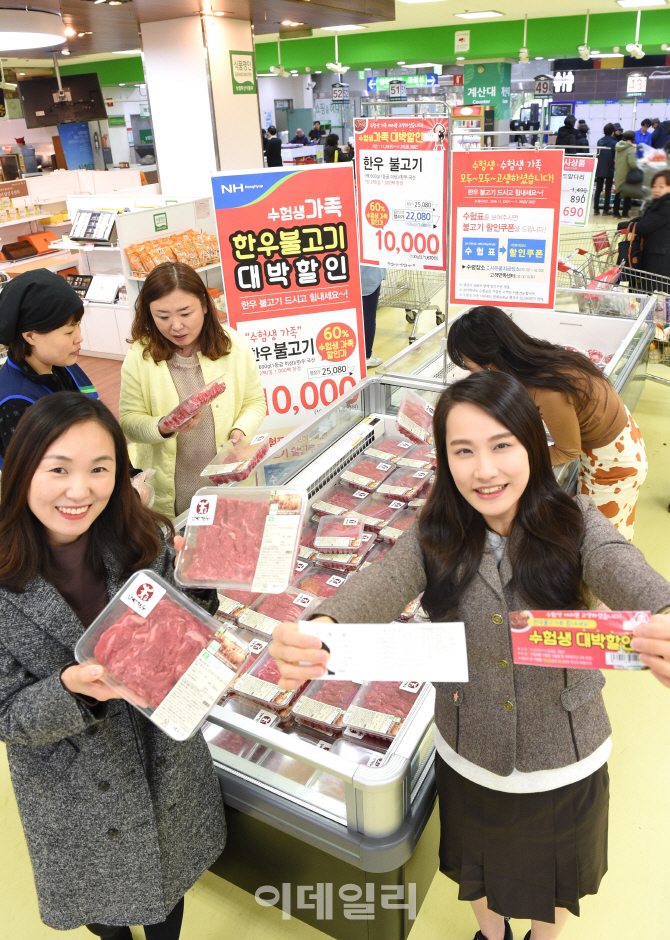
{"points": [[179, 346]]}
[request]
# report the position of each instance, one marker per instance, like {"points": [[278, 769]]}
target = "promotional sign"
{"points": [[578, 175], [462, 40], [381, 83], [76, 144], [242, 73], [576, 639], [287, 238], [505, 214], [401, 168]]}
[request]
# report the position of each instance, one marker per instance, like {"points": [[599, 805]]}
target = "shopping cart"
{"points": [[412, 291]]}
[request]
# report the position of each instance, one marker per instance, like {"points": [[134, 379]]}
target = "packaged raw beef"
{"points": [[162, 653], [405, 484], [244, 538], [377, 511], [418, 503], [377, 553], [346, 562], [191, 405], [259, 683], [319, 583], [232, 603], [422, 457], [401, 522], [235, 462], [228, 741], [324, 702], [143, 488], [339, 501], [271, 609], [411, 610], [415, 418], [339, 534], [389, 449], [366, 473], [382, 707], [306, 548]]}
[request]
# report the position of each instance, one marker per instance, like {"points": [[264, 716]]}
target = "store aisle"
{"points": [[635, 895]]}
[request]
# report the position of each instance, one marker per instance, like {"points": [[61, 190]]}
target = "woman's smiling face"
{"points": [[489, 465]]}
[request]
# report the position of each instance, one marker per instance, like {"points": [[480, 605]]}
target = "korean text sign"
{"points": [[577, 187], [401, 167], [576, 639], [289, 257], [505, 215]]}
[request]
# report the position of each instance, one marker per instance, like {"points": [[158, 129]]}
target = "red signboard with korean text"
{"points": [[505, 216], [576, 639], [401, 171], [291, 277], [578, 173]]}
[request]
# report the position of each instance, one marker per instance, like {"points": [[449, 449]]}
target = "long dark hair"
{"points": [[162, 280], [546, 533], [487, 336], [126, 528]]}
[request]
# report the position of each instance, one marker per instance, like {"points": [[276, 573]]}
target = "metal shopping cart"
{"points": [[585, 256], [412, 291]]}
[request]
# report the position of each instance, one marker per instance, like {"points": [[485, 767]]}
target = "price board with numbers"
{"points": [[401, 169], [544, 86], [577, 188]]}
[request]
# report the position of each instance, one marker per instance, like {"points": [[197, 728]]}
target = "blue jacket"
{"points": [[21, 389], [605, 164]]}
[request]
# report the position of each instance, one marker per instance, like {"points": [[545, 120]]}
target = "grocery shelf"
{"points": [[26, 218], [206, 267]]}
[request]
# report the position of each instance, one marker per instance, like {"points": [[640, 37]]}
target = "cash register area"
{"points": [[634, 898]]}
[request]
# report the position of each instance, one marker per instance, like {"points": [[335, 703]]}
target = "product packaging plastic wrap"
{"points": [[377, 553], [162, 653], [381, 708], [235, 462], [306, 549], [405, 484], [401, 522], [339, 534], [192, 405], [259, 683], [232, 603], [145, 490], [411, 611], [366, 473], [348, 562], [378, 511], [415, 418], [339, 501], [244, 538], [324, 703], [270, 609], [236, 743], [290, 767], [389, 449], [319, 582], [423, 457]]}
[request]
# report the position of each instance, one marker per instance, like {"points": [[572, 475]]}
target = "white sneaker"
{"points": [[373, 362]]}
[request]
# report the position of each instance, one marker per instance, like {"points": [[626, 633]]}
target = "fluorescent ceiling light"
{"points": [[641, 3], [422, 65], [460, 58], [401, 63], [594, 53], [538, 58], [481, 16], [65, 52], [30, 29], [69, 31], [127, 51], [367, 69], [610, 55], [338, 28]]}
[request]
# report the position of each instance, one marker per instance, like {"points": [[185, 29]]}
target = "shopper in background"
{"points": [[584, 415], [582, 135], [653, 226], [39, 321], [604, 169], [625, 160], [178, 347], [618, 132], [643, 136], [566, 136], [661, 135], [332, 152], [315, 133], [371, 284], [273, 148], [300, 137], [522, 751], [120, 820]]}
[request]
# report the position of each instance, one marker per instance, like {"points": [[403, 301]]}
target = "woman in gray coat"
{"points": [[120, 820], [521, 750]]}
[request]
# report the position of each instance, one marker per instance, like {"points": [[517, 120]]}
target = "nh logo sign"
{"points": [[234, 188]]}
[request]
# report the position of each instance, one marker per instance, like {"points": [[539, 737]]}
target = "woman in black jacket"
{"points": [[653, 227], [566, 136]]}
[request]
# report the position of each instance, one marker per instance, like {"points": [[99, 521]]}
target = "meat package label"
{"points": [[274, 569], [202, 510], [576, 639], [432, 652], [142, 595], [421, 433]]}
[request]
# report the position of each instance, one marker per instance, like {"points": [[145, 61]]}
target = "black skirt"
{"points": [[526, 853]]}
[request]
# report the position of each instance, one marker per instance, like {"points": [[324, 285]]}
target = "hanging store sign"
{"points": [[381, 83], [462, 40], [397, 90], [401, 168], [242, 73], [636, 84], [505, 215], [544, 86], [287, 239], [340, 91], [578, 173]]}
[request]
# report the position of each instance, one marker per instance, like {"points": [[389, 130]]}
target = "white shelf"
{"points": [[75, 246], [27, 218], [207, 267]]}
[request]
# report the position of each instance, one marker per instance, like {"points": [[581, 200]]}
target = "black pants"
{"points": [[617, 202], [370, 302], [601, 181], [169, 929]]}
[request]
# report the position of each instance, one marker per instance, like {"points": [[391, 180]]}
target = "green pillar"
{"points": [[489, 84]]}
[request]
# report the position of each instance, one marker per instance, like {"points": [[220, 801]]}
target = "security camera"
{"points": [[635, 50], [584, 52], [337, 67], [279, 71], [310, 85], [523, 55]]}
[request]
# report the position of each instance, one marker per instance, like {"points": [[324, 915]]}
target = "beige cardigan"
{"points": [[557, 716]]}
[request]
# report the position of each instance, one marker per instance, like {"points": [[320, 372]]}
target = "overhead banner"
{"points": [[578, 175], [287, 239], [505, 215], [401, 169]]}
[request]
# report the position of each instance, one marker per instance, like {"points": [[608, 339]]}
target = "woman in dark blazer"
{"points": [[654, 227], [120, 820], [522, 750]]}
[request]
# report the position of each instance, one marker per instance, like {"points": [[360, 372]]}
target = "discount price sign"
{"points": [[505, 215], [289, 258], [401, 168], [578, 175]]}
